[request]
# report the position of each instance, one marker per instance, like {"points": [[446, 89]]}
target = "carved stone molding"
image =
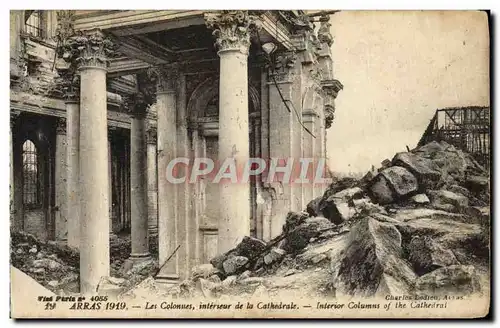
{"points": [[65, 24], [232, 29], [164, 77], [324, 35], [86, 49], [152, 135], [136, 105], [329, 115], [282, 68], [330, 91], [67, 84], [61, 126]]}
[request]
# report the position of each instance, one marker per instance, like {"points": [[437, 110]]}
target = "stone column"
{"points": [[138, 181], [73, 167], [110, 189], [17, 215], [281, 129], [166, 102], [61, 227], [152, 181], [91, 49], [232, 29], [309, 118]]}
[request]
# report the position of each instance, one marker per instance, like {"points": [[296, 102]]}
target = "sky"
{"points": [[397, 68]]}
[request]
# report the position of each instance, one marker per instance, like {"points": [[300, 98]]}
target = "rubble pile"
{"points": [[56, 266], [419, 225], [53, 265]]}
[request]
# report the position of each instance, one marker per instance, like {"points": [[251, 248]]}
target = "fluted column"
{"points": [[152, 181], [138, 180], [91, 49], [232, 29], [68, 82], [166, 104], [61, 227]]}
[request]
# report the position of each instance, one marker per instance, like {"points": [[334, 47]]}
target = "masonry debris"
{"points": [[56, 266], [420, 225]]}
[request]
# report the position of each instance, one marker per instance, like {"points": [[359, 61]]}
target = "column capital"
{"points": [[152, 135], [232, 29], [61, 126], [86, 49], [136, 104], [165, 77]]}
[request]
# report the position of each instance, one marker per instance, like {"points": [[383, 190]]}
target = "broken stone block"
{"points": [[107, 287], [330, 210], [233, 264], [274, 255], [344, 183], [38, 270], [250, 247], [116, 281], [372, 263], [365, 206], [426, 255], [454, 279], [245, 275], [381, 190], [313, 207], [311, 228], [218, 260], [46, 263], [319, 258], [447, 200], [423, 168], [368, 177], [33, 250], [349, 193], [458, 190], [203, 271], [215, 279], [229, 281], [293, 219], [420, 199], [70, 278], [208, 289], [477, 183], [339, 207], [53, 283], [393, 184]]}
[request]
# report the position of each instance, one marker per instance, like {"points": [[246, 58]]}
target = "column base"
{"points": [[134, 260], [168, 279]]}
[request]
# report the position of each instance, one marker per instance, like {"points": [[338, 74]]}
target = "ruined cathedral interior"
{"points": [[102, 101]]}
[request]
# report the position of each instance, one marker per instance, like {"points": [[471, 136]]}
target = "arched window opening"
{"points": [[31, 181], [34, 23]]}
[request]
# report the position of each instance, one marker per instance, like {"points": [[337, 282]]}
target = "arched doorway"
{"points": [[203, 111]]}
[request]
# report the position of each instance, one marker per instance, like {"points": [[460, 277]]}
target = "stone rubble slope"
{"points": [[418, 226]]}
